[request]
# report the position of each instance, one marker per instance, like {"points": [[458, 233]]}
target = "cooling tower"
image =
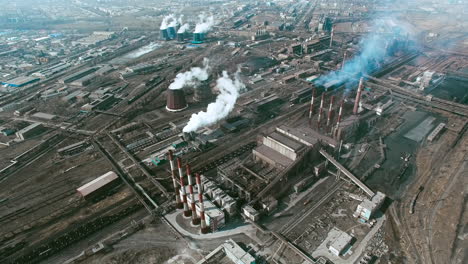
{"points": [[164, 35], [171, 32], [176, 100]]}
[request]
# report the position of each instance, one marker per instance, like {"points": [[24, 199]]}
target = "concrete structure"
{"points": [[29, 131], [77, 75], [103, 181], [367, 208], [229, 252], [176, 100], [20, 81], [251, 213], [339, 242]]}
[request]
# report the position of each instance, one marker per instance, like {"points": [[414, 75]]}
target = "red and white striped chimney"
{"points": [[187, 212], [204, 228], [358, 96], [311, 110], [330, 109], [174, 180], [339, 117], [195, 219], [321, 109]]}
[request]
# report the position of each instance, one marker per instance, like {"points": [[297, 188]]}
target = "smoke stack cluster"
{"points": [[192, 210], [174, 180], [358, 96]]}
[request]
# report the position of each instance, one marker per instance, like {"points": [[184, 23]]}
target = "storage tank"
{"points": [[175, 100]]}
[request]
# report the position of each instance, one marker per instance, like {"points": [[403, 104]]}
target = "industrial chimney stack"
{"points": [[331, 36], [339, 117], [195, 219], [187, 212], [358, 96], [204, 228], [330, 109], [311, 110], [174, 180], [321, 109]]}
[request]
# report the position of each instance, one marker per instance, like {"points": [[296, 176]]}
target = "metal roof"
{"points": [[97, 183]]}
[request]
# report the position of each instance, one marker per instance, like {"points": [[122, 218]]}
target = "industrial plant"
{"points": [[218, 131]]}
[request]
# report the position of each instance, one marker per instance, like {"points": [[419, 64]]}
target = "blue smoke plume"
{"points": [[386, 36]]}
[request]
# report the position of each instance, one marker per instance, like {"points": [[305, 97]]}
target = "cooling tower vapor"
{"points": [[229, 92], [373, 52], [184, 28], [167, 20], [191, 77], [205, 24]]}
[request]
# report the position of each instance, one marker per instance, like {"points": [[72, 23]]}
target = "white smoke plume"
{"points": [[229, 92], [191, 77], [167, 20], [184, 28], [205, 24]]}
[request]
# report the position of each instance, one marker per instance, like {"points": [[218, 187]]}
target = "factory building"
{"points": [[176, 100], [229, 252], [367, 208], [100, 103], [98, 185], [77, 75], [74, 148], [340, 241], [20, 81], [30, 131]]}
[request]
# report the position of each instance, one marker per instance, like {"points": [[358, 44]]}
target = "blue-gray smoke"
{"points": [[386, 36]]}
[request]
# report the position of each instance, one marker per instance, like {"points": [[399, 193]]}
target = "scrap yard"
{"points": [[239, 132]]}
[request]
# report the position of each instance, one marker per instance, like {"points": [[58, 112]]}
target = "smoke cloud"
{"points": [[205, 24], [184, 28], [191, 77], [229, 92], [386, 34], [171, 21], [166, 21]]}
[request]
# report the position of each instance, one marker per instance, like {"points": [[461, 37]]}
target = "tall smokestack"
{"points": [[311, 110], [320, 110], [204, 228], [339, 117], [330, 110], [358, 96], [344, 60], [174, 180], [187, 212], [331, 36], [195, 219]]}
